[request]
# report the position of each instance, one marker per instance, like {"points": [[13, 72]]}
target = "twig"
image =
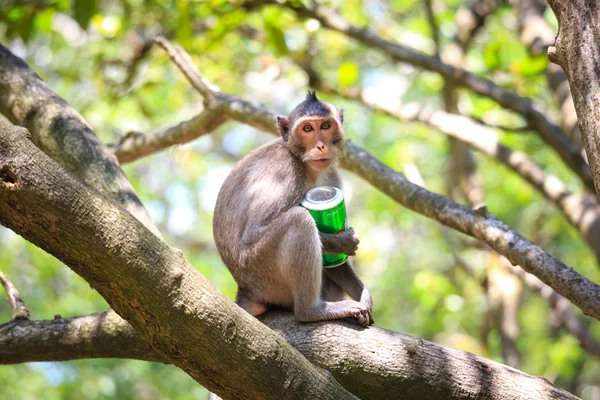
{"points": [[134, 146], [519, 129], [19, 311], [433, 26], [183, 60], [133, 66]]}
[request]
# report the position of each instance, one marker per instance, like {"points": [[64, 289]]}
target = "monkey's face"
{"points": [[313, 132], [317, 140]]}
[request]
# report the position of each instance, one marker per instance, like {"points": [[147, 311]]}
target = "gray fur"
{"points": [[272, 246]]}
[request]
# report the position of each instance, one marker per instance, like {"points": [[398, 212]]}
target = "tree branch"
{"points": [[373, 363], [137, 145], [19, 311], [551, 133], [102, 335], [62, 133], [184, 62], [151, 285]]}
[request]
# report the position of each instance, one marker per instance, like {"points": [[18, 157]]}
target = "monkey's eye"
{"points": [[325, 125], [307, 128]]}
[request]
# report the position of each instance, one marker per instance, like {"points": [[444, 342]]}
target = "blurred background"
{"points": [[425, 280]]}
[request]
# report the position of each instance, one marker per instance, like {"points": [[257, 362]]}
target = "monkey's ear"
{"points": [[341, 115], [283, 126]]}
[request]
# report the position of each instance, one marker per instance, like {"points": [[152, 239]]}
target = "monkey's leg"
{"points": [[345, 277], [330, 291], [252, 307], [301, 264]]}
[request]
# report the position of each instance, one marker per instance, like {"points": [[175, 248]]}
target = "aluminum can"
{"points": [[326, 205]]}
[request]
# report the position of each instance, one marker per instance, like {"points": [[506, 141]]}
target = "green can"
{"points": [[326, 205]]}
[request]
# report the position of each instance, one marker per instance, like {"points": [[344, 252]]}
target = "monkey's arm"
{"points": [[342, 243]]}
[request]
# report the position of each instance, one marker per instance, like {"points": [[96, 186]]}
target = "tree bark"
{"points": [[373, 363], [151, 285], [101, 335], [577, 51], [62, 133]]}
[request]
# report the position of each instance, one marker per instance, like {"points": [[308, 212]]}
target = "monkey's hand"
{"points": [[349, 240], [342, 243]]}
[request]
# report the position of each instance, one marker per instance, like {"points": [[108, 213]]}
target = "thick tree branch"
{"points": [[62, 133], [173, 307], [19, 311], [582, 292], [551, 133], [102, 335], [577, 50], [373, 363]]}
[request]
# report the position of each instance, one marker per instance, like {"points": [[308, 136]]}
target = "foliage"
{"points": [[83, 48]]}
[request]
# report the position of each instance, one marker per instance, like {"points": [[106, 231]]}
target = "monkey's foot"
{"points": [[362, 316]]}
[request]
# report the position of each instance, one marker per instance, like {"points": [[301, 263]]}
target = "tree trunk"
{"points": [[577, 51]]}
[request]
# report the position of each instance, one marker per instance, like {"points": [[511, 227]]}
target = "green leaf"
{"points": [[43, 20], [84, 10], [348, 74], [19, 22], [491, 55], [532, 66], [276, 40]]}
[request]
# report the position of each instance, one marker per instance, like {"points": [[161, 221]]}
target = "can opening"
{"points": [[321, 194]]}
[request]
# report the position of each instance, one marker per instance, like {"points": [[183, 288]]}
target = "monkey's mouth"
{"points": [[321, 163]]}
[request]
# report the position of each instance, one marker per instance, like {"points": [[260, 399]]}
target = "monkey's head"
{"points": [[314, 132]]}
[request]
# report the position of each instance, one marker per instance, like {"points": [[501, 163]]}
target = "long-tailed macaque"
{"points": [[269, 242]]}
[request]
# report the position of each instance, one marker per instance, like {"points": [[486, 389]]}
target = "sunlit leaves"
{"points": [[83, 11], [348, 74], [275, 39]]}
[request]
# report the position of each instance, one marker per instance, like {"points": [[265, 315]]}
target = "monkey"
{"points": [[271, 244]]}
